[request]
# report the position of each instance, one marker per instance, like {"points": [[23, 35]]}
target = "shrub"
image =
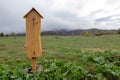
{"points": [[1, 34]]}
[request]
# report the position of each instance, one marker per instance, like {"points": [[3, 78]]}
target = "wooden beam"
{"points": [[34, 64]]}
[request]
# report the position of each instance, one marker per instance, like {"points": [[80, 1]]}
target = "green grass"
{"points": [[63, 54], [58, 47], [52, 44]]}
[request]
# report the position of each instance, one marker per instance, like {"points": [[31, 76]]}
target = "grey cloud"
{"points": [[12, 12], [10, 22], [104, 11], [66, 15], [54, 25], [111, 2], [109, 18], [109, 22], [97, 11]]}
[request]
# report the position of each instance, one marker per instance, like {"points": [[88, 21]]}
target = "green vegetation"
{"points": [[118, 31], [1, 34], [100, 32], [64, 58]]}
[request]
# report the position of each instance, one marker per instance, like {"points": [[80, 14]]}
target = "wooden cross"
{"points": [[33, 21]]}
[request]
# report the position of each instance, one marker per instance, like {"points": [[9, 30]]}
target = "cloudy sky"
{"points": [[61, 14]]}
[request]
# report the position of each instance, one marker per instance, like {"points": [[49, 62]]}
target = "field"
{"points": [[63, 58]]}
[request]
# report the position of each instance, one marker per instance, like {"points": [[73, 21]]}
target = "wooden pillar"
{"points": [[33, 39], [34, 64]]}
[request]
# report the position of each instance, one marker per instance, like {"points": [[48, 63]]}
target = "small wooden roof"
{"points": [[35, 11]]}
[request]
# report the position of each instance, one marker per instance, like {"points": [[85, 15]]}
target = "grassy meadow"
{"points": [[71, 49], [12, 48]]}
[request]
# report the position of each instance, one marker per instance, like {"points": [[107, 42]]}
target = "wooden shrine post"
{"points": [[33, 38]]}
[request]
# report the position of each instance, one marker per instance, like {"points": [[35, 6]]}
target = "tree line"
{"points": [[90, 32], [6, 35], [101, 32]]}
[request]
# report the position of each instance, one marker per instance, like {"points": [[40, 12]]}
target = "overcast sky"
{"points": [[61, 14]]}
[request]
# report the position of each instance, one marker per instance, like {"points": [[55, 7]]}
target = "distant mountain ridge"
{"points": [[72, 32], [68, 32]]}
